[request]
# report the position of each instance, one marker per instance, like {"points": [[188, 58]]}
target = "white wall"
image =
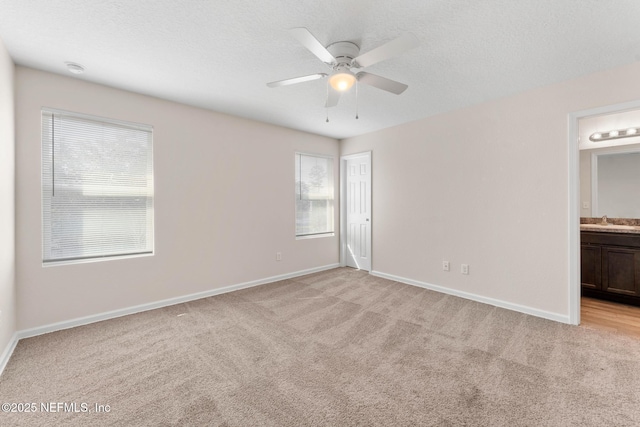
{"points": [[224, 204], [487, 186], [7, 201]]}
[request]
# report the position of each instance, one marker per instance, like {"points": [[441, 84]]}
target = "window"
{"points": [[314, 195], [97, 188]]}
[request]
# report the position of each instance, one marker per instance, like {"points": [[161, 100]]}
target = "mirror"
{"points": [[614, 181]]}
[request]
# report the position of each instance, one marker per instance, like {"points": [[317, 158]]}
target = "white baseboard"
{"points": [[164, 303], [8, 351], [491, 301]]}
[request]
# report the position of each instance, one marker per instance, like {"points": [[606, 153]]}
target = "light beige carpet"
{"points": [[337, 348]]}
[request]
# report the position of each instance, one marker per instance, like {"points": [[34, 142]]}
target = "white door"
{"points": [[358, 211]]}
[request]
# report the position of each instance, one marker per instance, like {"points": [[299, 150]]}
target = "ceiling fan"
{"points": [[343, 58]]}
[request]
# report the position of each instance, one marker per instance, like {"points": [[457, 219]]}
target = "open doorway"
{"points": [[605, 218], [355, 211]]}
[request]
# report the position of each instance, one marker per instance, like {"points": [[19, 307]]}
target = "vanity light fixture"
{"points": [[614, 134]]}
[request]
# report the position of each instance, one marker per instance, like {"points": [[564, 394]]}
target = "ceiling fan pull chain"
{"points": [[326, 104], [357, 99]]}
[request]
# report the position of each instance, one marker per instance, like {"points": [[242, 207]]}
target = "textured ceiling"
{"points": [[220, 54]]}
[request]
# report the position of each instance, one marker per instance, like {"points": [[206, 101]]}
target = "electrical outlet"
{"points": [[464, 268], [278, 256], [445, 265]]}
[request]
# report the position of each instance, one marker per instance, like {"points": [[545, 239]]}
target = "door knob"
{"points": [[367, 219]]}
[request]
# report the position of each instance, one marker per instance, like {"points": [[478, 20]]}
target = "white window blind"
{"points": [[97, 187], [314, 195]]}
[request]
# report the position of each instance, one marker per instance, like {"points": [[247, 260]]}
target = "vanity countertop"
{"points": [[611, 228]]}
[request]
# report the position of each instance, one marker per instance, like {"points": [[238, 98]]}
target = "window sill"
{"points": [[315, 236], [96, 259]]}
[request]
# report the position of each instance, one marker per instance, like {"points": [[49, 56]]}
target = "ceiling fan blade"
{"points": [[333, 98], [381, 82], [297, 80], [388, 50], [310, 42]]}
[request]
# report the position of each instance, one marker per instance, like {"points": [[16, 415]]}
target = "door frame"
{"points": [[343, 206], [574, 198]]}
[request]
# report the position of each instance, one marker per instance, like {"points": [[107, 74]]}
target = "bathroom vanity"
{"points": [[610, 262]]}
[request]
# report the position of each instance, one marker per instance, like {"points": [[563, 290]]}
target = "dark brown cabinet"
{"points": [[621, 270], [610, 266], [591, 266]]}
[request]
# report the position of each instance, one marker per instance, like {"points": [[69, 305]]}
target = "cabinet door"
{"points": [[590, 266], [621, 270]]}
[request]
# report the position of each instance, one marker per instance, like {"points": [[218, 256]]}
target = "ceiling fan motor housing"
{"points": [[344, 52]]}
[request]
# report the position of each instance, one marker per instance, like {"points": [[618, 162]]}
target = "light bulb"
{"points": [[632, 131], [596, 136], [613, 133], [342, 80]]}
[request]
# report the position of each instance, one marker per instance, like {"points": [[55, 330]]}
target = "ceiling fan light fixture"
{"points": [[342, 80]]}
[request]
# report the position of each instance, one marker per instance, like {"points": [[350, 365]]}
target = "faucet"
{"points": [[604, 220]]}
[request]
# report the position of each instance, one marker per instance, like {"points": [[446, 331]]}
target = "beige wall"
{"points": [[487, 186], [224, 204], [7, 198], [585, 183]]}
